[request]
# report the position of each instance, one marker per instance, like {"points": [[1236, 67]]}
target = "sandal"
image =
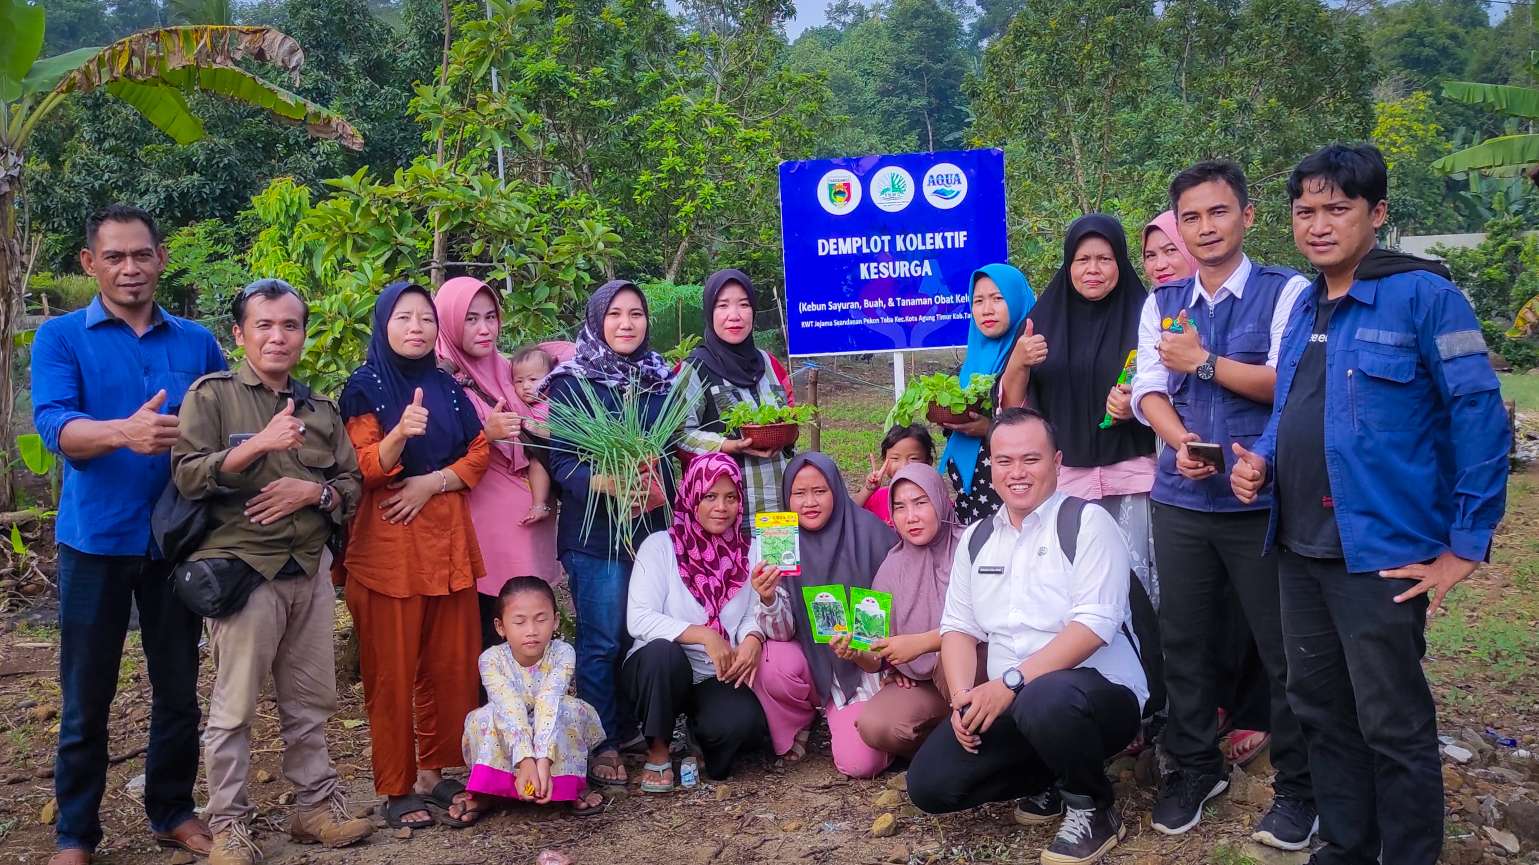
{"points": [[798, 749], [472, 809], [397, 807], [607, 760], [444, 793], [1242, 747], [664, 769], [583, 806]]}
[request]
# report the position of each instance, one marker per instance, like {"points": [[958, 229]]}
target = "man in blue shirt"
{"points": [[107, 382], [1383, 362]]}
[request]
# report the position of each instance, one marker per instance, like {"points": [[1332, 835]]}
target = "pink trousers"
{"points": [[791, 702]]}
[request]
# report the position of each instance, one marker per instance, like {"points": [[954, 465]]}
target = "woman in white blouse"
{"points": [[699, 627]]}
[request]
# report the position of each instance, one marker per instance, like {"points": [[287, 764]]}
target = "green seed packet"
{"points": [[779, 540], [827, 611], [870, 617]]}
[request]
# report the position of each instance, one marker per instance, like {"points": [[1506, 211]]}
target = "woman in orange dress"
{"points": [[412, 562]]}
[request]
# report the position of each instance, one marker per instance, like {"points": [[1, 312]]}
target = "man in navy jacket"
{"points": [[1384, 382]]}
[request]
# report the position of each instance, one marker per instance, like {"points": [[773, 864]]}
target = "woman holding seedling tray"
{"points": [[1001, 298], [613, 416], [841, 546], [731, 384]]}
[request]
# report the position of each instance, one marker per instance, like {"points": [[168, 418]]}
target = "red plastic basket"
{"points": [[941, 415], [772, 437]]}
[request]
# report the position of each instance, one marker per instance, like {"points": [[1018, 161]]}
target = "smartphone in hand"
{"points": [[1207, 452]]}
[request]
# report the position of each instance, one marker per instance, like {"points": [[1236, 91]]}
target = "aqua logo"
{"points": [[944, 185]]}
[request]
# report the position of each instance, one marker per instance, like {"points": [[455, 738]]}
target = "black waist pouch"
{"points": [[215, 588]]}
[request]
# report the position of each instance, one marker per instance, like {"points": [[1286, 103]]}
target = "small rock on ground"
{"points": [[1504, 839], [888, 799], [1264, 855], [884, 826]]}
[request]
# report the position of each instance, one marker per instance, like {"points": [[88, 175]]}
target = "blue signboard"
{"points": [[879, 249]]}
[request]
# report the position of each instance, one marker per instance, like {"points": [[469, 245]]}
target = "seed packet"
{"points": [[779, 540], [827, 610], [870, 615]]}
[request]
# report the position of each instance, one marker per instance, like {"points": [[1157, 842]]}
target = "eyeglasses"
{"points": [[270, 285]]}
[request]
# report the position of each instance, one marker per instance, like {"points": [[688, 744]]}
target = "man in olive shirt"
{"points": [[273, 463]]}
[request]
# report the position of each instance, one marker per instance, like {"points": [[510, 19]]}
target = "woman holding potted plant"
{"points": [[1001, 300], [512, 527], [615, 374], [728, 370]]}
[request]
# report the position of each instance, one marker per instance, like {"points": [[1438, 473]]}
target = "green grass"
{"points": [[852, 431], [1522, 388], [1228, 854]]}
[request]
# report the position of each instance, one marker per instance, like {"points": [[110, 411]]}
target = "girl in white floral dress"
{"points": [[531, 740]]}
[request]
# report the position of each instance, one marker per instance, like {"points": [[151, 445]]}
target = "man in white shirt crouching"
{"points": [[1065, 687]]}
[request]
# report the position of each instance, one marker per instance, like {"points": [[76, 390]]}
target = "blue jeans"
{"points": [[1356, 683], [599, 588], [94, 600]]}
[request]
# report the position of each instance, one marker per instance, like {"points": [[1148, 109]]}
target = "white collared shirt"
{"points": [[1022, 591], [1153, 377]]}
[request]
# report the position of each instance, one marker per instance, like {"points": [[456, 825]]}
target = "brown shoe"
{"points": [[70, 856], [233, 846], [329, 823], [191, 835]]}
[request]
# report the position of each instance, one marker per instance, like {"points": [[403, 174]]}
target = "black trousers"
{"points": [[1199, 555], [1356, 682], [725, 721], [1244, 691], [1061, 727]]}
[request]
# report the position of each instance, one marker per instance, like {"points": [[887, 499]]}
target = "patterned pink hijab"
{"points": [[713, 567], [1166, 222]]}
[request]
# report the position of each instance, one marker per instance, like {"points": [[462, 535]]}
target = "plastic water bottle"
{"points": [[689, 772]]}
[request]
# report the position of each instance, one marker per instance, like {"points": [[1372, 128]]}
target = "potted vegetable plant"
{"points": [[769, 427], [942, 400]]}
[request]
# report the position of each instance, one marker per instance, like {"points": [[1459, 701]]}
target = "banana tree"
{"points": [[1504, 154], [154, 71]]}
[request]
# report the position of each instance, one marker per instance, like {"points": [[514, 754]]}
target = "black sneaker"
{"points": [[1087, 833], [1288, 824], [1182, 795], [1044, 807]]}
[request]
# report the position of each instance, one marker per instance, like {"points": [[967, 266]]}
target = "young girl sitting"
{"points": [[902, 445], [530, 741]]}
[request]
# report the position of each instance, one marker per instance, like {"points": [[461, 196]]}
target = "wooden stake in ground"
{"points": [[812, 399]]}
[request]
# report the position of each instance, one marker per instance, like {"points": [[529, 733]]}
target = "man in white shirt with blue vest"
{"points": [[1207, 367], [1065, 688]]}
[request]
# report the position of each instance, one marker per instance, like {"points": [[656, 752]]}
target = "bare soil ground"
{"points": [[1482, 658]]}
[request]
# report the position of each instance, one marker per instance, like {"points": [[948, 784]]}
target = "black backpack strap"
{"points": [[979, 537]]}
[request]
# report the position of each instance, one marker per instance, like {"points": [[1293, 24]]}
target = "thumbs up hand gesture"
{"points": [[283, 433], [1031, 348], [1248, 474], [147, 431], [414, 418], [1182, 351], [501, 425]]}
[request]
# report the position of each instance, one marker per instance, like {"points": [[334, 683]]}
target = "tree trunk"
{"points": [[678, 261], [11, 310]]}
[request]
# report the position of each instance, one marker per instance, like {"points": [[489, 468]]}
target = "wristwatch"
{"points": [[1014, 680], [1206, 369], [328, 497]]}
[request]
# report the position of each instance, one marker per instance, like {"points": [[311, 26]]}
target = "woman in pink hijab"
{"points": [[1242, 686], [514, 540], [1166, 258]]}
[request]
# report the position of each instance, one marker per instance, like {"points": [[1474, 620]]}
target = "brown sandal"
{"points": [[192, 835]]}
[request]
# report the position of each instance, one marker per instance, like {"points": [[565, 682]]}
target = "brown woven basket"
{"points": [[771, 437], [941, 415]]}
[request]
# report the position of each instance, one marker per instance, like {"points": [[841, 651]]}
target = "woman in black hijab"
{"points": [[1083, 330], [728, 369]]}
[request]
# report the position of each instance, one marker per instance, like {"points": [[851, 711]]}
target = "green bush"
{"points": [[203, 271], [65, 291], [1523, 354]]}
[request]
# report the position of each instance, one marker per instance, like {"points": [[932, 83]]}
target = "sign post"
{"points": [[879, 250]]}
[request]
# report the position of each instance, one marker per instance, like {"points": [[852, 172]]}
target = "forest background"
{"points": [[641, 139]]}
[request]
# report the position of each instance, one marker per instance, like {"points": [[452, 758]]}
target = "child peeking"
{"points": [[902, 445], [531, 741]]}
